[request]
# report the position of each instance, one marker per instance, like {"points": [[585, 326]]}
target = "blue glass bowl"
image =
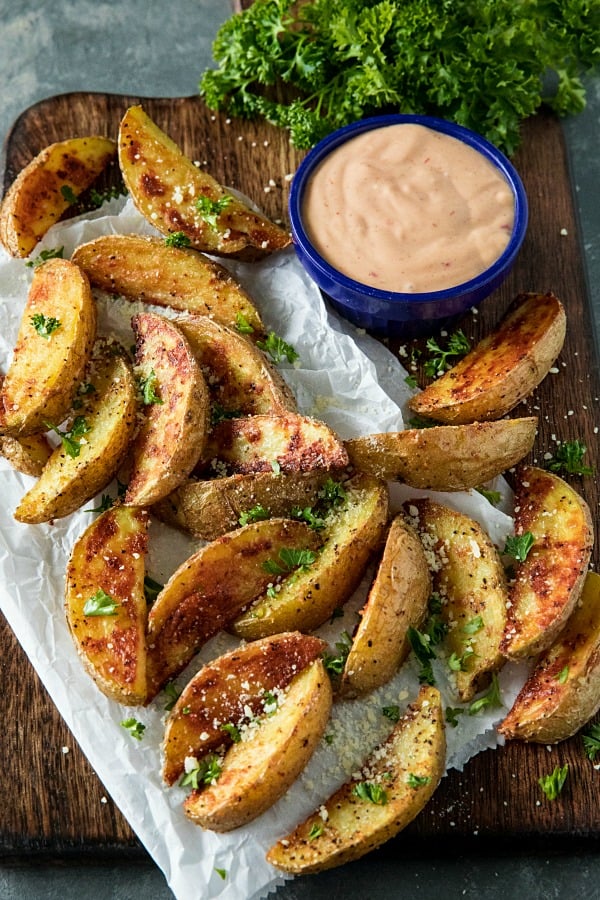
{"points": [[388, 312]]}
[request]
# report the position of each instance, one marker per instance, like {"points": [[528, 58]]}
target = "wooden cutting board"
{"points": [[52, 803]]}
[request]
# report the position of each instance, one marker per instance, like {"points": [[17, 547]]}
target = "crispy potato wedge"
{"points": [[105, 603], [563, 691], [446, 457], [176, 422], [79, 469], [407, 768], [503, 368], [548, 583], [145, 268], [256, 443], [208, 509], [241, 379], [351, 535], [55, 340], [397, 600], [40, 194], [167, 188], [256, 772], [28, 454], [210, 589], [469, 578], [228, 689]]}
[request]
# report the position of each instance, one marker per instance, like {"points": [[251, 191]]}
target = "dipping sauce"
{"points": [[408, 209]]}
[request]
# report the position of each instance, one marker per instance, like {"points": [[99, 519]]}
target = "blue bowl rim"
{"points": [[473, 139]]}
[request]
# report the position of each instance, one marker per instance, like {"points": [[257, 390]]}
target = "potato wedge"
{"points": [[105, 603], [208, 509], [351, 535], [168, 189], [397, 600], [41, 192], [212, 587], [257, 771], [229, 688], [446, 457], [562, 692], [396, 782], [177, 410], [28, 454], [503, 368], [55, 339], [241, 379], [469, 578], [145, 268], [548, 583], [84, 464], [256, 443]]}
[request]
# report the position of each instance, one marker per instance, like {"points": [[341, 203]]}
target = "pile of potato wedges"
{"points": [[201, 431]]}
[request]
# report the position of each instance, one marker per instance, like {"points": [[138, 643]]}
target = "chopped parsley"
{"points": [[422, 647], [553, 784], [210, 210], [307, 515], [72, 438], [222, 873], [97, 198], [242, 324], [45, 325], [518, 546], [491, 698], [473, 625], [100, 604], [316, 830], [173, 692], [148, 388], [277, 348], [591, 741], [563, 675], [258, 513], [332, 493], [438, 363], [370, 790], [205, 771], [68, 194], [177, 239], [105, 503], [152, 589], [569, 459], [289, 560], [334, 663], [391, 712], [135, 728], [459, 663], [218, 414], [417, 781], [232, 731], [452, 714], [411, 381], [420, 422], [44, 256], [493, 497]]}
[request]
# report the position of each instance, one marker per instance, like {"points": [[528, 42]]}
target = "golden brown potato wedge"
{"points": [[397, 600], [91, 450], [55, 339], [41, 192], [503, 368], [469, 578], [257, 771], [212, 587], [28, 454], [304, 601], [145, 268], [290, 442], [548, 583], [208, 509], [230, 690], [176, 410], [563, 691], [395, 784], [105, 603], [241, 380], [445, 457], [176, 196]]}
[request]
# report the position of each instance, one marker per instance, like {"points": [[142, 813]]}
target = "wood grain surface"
{"points": [[52, 803]]}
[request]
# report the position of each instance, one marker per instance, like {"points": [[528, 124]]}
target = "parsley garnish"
{"points": [[257, 514], [218, 414], [392, 713], [553, 784], [420, 422], [210, 210], [563, 675], [335, 664], [289, 560], [459, 663], [204, 772], [222, 873], [68, 194], [452, 713], [105, 503], [591, 741], [316, 830], [148, 389], [473, 625], [518, 546], [569, 458], [233, 731], [71, 439], [369, 790], [332, 493], [100, 604], [173, 692], [44, 256], [97, 198], [177, 239], [458, 345], [152, 589], [242, 324], [45, 325], [417, 781], [493, 497], [135, 728], [307, 515], [277, 348], [422, 647], [491, 698], [411, 381]]}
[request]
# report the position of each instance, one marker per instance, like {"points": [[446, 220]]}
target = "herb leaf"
{"points": [[173, 692], [553, 784], [210, 210], [316, 830], [518, 546], [458, 345], [148, 386], [569, 458], [44, 256], [417, 781], [591, 741], [177, 239], [204, 771], [491, 698], [242, 324], [71, 439], [134, 727], [392, 713], [277, 348], [290, 559], [100, 604], [335, 664], [258, 513], [152, 589], [370, 790], [45, 325]]}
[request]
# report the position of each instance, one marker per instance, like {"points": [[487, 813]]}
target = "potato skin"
{"points": [[444, 457], [503, 368]]}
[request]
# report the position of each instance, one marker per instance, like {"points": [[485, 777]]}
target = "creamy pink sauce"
{"points": [[405, 208]]}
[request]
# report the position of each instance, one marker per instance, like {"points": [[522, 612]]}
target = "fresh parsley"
{"points": [[332, 494], [308, 515], [334, 663], [563, 675], [410, 381], [44, 256], [417, 781], [242, 324], [473, 625], [222, 873], [591, 741], [72, 438], [569, 459], [173, 692], [45, 325], [152, 589], [68, 194], [177, 239], [370, 790], [258, 513], [422, 647], [316, 830], [391, 712], [105, 503], [553, 784], [232, 731], [452, 714], [277, 348], [493, 497], [205, 771], [135, 728], [210, 210], [218, 414], [289, 560], [519, 545], [492, 698], [148, 389], [100, 604], [438, 363]]}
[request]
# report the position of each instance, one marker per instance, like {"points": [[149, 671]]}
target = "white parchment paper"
{"points": [[343, 377]]}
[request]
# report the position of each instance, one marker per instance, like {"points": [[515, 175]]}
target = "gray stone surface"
{"points": [[159, 49]]}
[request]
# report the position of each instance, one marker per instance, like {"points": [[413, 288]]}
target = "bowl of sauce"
{"points": [[406, 221]]}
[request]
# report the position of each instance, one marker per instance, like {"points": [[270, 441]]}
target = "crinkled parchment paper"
{"points": [[355, 385]]}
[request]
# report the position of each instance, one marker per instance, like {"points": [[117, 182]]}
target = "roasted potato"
{"points": [[230, 690], [469, 579], [145, 268], [446, 457], [208, 509], [55, 339], [310, 596], [395, 784], [397, 600], [176, 196], [502, 369], [176, 410], [547, 584], [210, 589], [259, 769], [105, 603], [92, 448], [562, 692], [28, 454], [241, 380], [42, 191], [291, 442]]}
